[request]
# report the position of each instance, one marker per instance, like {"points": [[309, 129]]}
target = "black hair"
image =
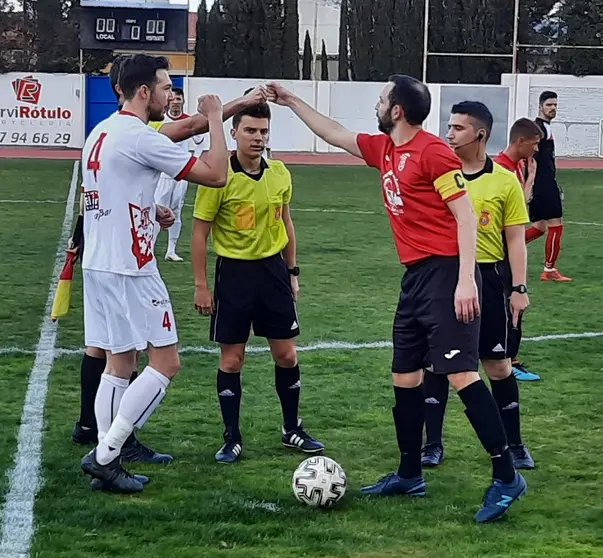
{"points": [[412, 96], [138, 70], [178, 91], [114, 73], [545, 96], [261, 110], [248, 90], [477, 111], [524, 128]]}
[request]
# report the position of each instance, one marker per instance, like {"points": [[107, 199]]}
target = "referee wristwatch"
{"points": [[294, 271], [521, 289]]}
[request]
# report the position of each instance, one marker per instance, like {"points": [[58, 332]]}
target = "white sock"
{"points": [[174, 233], [137, 405], [108, 397]]}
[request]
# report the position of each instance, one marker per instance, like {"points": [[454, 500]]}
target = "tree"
{"points": [[290, 40], [343, 64], [307, 58], [273, 40], [201, 61], [324, 63], [215, 41]]}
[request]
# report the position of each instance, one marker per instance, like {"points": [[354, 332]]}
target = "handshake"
{"points": [[211, 105]]}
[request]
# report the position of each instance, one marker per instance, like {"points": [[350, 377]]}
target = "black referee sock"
{"points": [[435, 388], [409, 416], [288, 388], [229, 395], [90, 376], [482, 412], [506, 395]]}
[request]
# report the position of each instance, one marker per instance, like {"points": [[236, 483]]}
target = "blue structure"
{"points": [[100, 99]]}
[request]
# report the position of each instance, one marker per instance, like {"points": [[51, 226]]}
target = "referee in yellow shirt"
{"points": [[502, 214], [256, 281]]}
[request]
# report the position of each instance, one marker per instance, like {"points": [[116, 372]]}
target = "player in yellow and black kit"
{"points": [[256, 281], [502, 214]]}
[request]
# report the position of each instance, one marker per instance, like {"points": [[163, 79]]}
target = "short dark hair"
{"points": [[545, 96], [524, 128], [478, 111], [114, 72], [412, 96], [178, 91], [138, 70], [261, 110]]}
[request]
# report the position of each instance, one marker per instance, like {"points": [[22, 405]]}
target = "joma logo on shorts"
{"points": [[163, 302]]}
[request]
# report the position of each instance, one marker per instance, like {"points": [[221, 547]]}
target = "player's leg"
{"points": [[553, 242], [436, 388], [409, 359], [275, 318], [230, 327], [535, 231], [177, 203], [92, 368], [164, 191], [498, 342], [454, 351]]}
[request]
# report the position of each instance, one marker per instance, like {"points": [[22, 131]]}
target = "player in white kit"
{"points": [[171, 193], [127, 307]]}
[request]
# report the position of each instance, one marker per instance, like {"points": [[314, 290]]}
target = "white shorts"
{"points": [[171, 193], [123, 313]]}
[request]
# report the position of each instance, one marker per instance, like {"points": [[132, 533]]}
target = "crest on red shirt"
{"points": [[403, 158], [142, 234], [484, 218], [392, 193]]}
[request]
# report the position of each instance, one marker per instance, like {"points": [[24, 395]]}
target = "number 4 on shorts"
{"points": [[167, 324]]}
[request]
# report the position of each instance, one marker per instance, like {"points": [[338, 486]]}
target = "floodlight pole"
{"points": [[426, 40], [515, 37]]}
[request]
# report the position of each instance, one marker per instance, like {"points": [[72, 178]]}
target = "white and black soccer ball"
{"points": [[319, 482]]}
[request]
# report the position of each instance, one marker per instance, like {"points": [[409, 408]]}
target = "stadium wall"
{"points": [[50, 110]]}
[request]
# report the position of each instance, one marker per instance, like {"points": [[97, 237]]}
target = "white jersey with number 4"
{"points": [[122, 161]]}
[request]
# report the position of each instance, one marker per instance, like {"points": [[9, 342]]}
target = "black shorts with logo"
{"points": [[498, 338], [426, 329], [546, 203], [253, 293]]}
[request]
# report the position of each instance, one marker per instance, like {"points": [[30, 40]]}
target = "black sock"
{"points": [[90, 376], [409, 416], [229, 395], [482, 412], [288, 388], [133, 376], [435, 388], [506, 395]]}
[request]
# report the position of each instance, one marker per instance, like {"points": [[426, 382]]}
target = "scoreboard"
{"points": [[133, 25]]}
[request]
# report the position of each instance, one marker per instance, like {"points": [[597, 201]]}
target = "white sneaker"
{"points": [[173, 258]]}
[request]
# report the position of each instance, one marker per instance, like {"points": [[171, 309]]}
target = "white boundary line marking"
{"points": [[304, 210], [25, 479], [317, 346]]}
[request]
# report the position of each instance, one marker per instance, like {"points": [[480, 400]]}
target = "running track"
{"points": [[289, 158]]}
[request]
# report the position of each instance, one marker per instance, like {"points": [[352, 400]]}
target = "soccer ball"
{"points": [[319, 482]]}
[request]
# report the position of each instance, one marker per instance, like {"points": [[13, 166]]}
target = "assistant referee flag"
{"points": [[62, 296]]}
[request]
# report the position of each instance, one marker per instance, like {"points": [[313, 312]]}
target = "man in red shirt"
{"points": [[524, 138], [437, 320]]}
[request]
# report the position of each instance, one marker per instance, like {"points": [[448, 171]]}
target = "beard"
{"points": [[385, 123], [156, 112]]}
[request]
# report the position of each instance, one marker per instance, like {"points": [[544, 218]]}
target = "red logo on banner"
{"points": [[27, 90]]}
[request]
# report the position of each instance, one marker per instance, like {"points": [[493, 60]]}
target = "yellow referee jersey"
{"points": [[247, 214], [499, 202]]}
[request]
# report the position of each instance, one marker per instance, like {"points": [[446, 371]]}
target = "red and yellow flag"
{"points": [[62, 296]]}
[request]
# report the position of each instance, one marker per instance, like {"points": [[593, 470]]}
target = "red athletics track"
{"points": [[289, 158]]}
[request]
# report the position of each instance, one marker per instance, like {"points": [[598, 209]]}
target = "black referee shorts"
{"points": [[498, 338], [253, 293], [546, 203], [426, 329]]}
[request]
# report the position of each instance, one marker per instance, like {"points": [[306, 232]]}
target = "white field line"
{"points": [[317, 346], [306, 210], [25, 478]]}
